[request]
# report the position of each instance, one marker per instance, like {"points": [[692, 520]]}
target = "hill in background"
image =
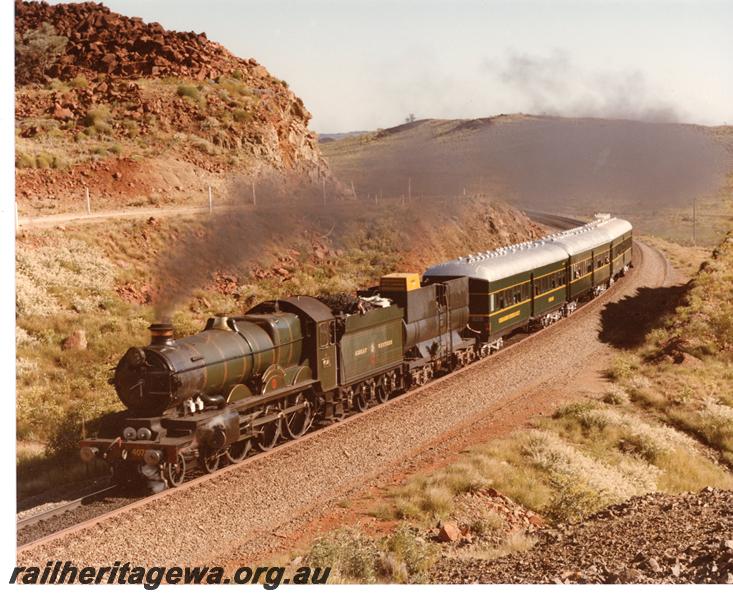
{"points": [[649, 172]]}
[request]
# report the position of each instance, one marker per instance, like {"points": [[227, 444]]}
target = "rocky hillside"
{"points": [[141, 115]]}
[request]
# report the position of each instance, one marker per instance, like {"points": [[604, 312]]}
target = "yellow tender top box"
{"points": [[400, 282]]}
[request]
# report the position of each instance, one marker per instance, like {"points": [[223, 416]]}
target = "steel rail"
{"points": [[64, 508]]}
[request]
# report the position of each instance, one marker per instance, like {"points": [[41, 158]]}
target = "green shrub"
{"points": [[97, 120], [44, 160], [65, 437], [404, 556], [79, 82], [241, 116], [350, 553], [572, 500], [58, 86], [409, 556], [189, 91], [131, 127], [25, 161]]}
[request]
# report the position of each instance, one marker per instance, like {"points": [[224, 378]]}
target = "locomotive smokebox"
{"points": [[161, 334]]}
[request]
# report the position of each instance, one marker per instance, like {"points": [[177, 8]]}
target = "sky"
{"points": [[367, 64]]}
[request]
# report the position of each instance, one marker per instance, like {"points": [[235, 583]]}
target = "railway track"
{"points": [[68, 514], [63, 508], [59, 521]]}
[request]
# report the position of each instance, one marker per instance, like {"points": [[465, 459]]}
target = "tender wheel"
{"points": [[238, 451], [175, 472], [382, 393], [361, 401], [209, 460], [297, 423], [270, 433]]}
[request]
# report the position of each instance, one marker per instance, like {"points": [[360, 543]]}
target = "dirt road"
{"points": [[259, 508], [46, 221]]}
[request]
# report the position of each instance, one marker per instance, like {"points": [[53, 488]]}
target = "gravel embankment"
{"points": [[245, 512], [648, 539]]}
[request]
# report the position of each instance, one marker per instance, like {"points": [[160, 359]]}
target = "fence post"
{"points": [[254, 194], [89, 202], [353, 191], [211, 203]]}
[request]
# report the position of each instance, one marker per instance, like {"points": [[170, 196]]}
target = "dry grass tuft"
{"points": [[402, 557]]}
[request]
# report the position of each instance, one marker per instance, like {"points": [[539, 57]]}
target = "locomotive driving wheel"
{"points": [[298, 422], [209, 460], [270, 433], [175, 472], [238, 451]]}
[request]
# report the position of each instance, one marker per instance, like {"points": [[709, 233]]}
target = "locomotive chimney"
{"points": [[161, 334]]}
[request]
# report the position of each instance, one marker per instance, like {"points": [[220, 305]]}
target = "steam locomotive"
{"points": [[246, 382]]}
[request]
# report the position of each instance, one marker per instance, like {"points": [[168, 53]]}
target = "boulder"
{"points": [[448, 532], [62, 113]]}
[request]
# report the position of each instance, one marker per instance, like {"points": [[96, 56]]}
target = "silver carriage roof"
{"points": [[504, 262], [602, 230]]}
